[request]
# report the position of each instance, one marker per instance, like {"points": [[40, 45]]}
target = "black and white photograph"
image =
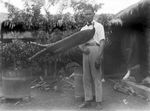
{"points": [[74, 55]]}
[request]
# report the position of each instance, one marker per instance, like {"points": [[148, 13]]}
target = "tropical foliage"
{"points": [[46, 28]]}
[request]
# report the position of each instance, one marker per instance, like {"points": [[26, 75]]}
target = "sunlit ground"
{"points": [[65, 101]]}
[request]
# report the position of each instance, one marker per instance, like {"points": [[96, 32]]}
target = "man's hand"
{"points": [[86, 51], [98, 62]]}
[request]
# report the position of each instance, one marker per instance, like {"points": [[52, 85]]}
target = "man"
{"points": [[92, 55]]}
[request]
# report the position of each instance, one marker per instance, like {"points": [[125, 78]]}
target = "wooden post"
{"points": [[148, 39], [45, 69], [1, 59], [148, 45], [55, 69]]}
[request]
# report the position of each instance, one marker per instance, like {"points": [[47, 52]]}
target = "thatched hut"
{"points": [[129, 38]]}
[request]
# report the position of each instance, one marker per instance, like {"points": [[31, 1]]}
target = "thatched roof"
{"points": [[136, 14], [10, 26], [129, 33]]}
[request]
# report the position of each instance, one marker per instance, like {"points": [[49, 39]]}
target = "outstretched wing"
{"points": [[67, 43]]}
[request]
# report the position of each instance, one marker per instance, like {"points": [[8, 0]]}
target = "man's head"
{"points": [[89, 13]]}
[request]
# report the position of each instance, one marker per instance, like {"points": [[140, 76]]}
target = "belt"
{"points": [[92, 44]]}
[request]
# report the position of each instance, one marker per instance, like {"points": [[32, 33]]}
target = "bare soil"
{"points": [[64, 100]]}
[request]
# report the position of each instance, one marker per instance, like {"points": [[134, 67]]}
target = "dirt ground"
{"points": [[65, 101]]}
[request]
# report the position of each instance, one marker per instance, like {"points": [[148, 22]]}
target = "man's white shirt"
{"points": [[99, 31]]}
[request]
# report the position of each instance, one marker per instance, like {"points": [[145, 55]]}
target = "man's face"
{"points": [[88, 14]]}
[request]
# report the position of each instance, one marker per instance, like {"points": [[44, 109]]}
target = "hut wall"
{"points": [[114, 62], [128, 48]]}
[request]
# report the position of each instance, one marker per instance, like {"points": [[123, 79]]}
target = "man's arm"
{"points": [[100, 54], [101, 47], [102, 39], [101, 34]]}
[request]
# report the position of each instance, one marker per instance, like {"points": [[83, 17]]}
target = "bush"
{"points": [[15, 55]]}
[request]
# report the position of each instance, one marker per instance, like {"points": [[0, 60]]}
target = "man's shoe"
{"points": [[85, 105], [99, 106]]}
